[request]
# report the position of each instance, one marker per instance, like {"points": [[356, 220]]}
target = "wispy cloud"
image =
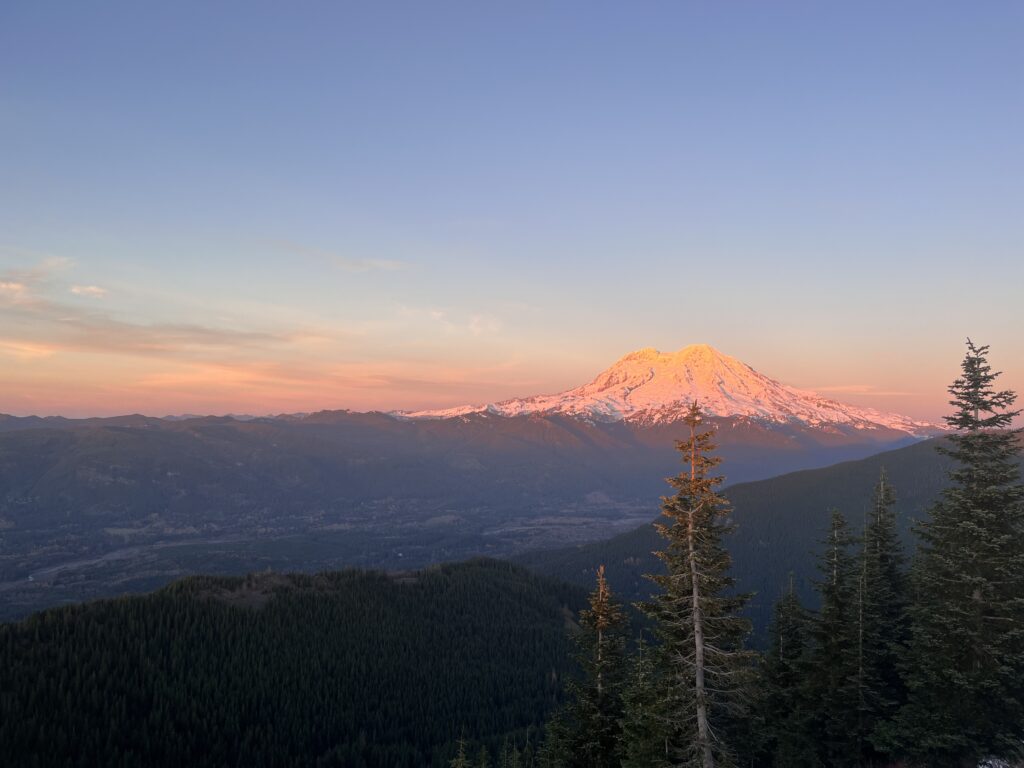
{"points": [[45, 265], [339, 261], [25, 350], [480, 325], [12, 288], [62, 345], [456, 322], [30, 317]]}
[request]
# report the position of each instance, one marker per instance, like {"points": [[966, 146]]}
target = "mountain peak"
{"points": [[651, 386], [690, 352], [699, 350], [647, 353]]}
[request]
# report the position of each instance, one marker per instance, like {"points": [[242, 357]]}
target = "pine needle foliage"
{"points": [[702, 672], [461, 760], [587, 732], [966, 672], [788, 711], [882, 624], [832, 685], [643, 738]]}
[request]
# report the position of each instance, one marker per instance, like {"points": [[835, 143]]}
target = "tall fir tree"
{"points": [[511, 757], [882, 625], [555, 750], [643, 737], [527, 755], [787, 711], [461, 760], [703, 673], [586, 734], [966, 676], [832, 685]]}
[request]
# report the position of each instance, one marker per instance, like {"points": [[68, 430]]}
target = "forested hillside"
{"points": [[779, 523], [351, 668]]}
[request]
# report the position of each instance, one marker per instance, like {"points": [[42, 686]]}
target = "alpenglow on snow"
{"points": [[650, 386]]}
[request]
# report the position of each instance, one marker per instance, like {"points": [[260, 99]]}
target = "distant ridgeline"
{"points": [[350, 669]]}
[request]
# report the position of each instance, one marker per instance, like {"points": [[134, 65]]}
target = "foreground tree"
{"points": [[510, 756], [702, 671], [461, 760], [882, 624], [833, 684], [787, 667], [642, 736], [832, 679], [966, 677], [587, 731]]}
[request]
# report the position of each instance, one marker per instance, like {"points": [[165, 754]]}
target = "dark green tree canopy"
{"points": [[586, 733], [966, 676]]}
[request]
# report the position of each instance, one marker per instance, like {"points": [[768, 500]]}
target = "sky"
{"points": [[246, 207]]}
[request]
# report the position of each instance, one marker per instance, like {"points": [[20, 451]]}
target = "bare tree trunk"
{"points": [[703, 730], [602, 593]]}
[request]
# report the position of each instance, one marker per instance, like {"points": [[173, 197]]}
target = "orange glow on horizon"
{"points": [[41, 380]]}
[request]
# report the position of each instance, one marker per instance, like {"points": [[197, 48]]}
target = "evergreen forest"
{"points": [[350, 669]]}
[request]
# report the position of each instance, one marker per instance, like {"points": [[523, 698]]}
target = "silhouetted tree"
{"points": [[702, 670], [587, 731], [966, 676], [832, 686], [788, 712]]}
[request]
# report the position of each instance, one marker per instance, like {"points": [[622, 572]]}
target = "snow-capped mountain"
{"points": [[648, 386]]}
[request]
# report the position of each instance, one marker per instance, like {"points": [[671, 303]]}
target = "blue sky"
{"points": [[419, 204]]}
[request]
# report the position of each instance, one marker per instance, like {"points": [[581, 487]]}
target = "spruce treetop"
{"points": [[974, 395]]}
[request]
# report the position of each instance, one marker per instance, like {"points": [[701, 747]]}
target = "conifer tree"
{"points": [[461, 760], [703, 672], [882, 623], [966, 677], [555, 750], [602, 650], [787, 667], [509, 756], [526, 756], [832, 686], [643, 738], [587, 733], [483, 758]]}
